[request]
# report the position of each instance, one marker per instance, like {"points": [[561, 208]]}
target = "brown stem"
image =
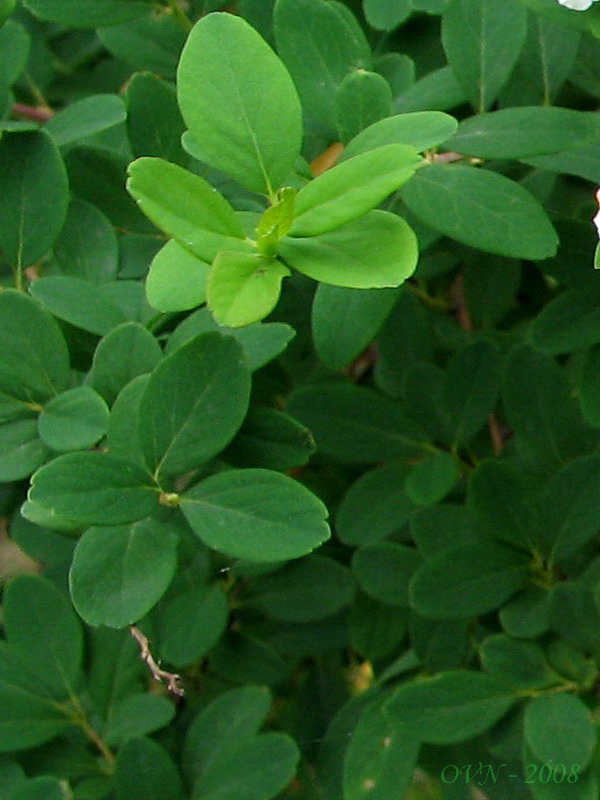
{"points": [[172, 679], [34, 113], [326, 159]]}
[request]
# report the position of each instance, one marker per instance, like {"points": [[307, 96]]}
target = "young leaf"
{"points": [[482, 40], [184, 206], [375, 251], [467, 579], [350, 189], [34, 197], [232, 110], [177, 279], [256, 514], [74, 420], [244, 287], [94, 488], [482, 209], [193, 403], [450, 707], [119, 573]]}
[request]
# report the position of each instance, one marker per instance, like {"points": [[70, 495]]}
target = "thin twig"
{"points": [[34, 113], [172, 680]]}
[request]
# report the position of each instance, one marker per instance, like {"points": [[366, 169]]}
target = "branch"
{"points": [[172, 680]]}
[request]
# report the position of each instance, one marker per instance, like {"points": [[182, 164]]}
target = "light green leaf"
{"points": [[86, 117], [559, 729], [483, 40], [385, 15], [193, 403], [450, 707], [119, 573], [244, 287], [467, 579], [256, 514], [420, 129], [94, 488], [184, 206], [523, 132], [34, 197], [177, 279], [74, 420], [350, 189], [127, 351], [482, 209], [375, 251], [41, 626], [232, 110]]}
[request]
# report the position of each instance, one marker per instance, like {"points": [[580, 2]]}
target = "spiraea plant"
{"points": [[299, 400]]}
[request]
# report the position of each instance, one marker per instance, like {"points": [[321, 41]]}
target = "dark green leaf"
{"points": [[362, 99], [491, 292], [123, 438], [421, 130], [568, 322], [467, 579], [522, 664], [21, 450], [34, 198], [119, 573], [432, 479], [94, 488], [232, 110], [87, 247], [194, 403], [559, 729], [81, 303], [41, 788], [136, 715], [154, 122], [144, 771], [482, 209], [87, 13], [73, 420], [256, 514], [15, 44], [527, 614], [384, 570], [385, 15], [85, 118], [574, 616], [152, 42]]}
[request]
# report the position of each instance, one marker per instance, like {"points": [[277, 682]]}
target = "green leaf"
{"points": [[501, 501], [450, 707], [194, 403], [40, 625], [256, 514], [94, 488], [491, 292], [260, 767], [471, 388], [350, 189], [375, 251], [320, 45], [385, 15], [87, 13], [356, 425], [150, 42], [15, 44], [261, 341], [81, 303], [34, 198], [127, 351], [124, 439], [384, 570], [190, 624], [22, 451], [434, 528], [432, 479], [421, 130], [74, 420], [87, 247], [589, 387], [380, 758], [244, 287], [467, 579], [523, 132], [568, 322], [232, 110], [136, 715], [523, 664], [374, 507], [177, 279], [539, 406], [483, 40], [184, 206], [559, 729], [271, 439], [527, 614], [304, 590], [154, 122], [482, 209], [438, 90], [119, 573], [345, 321], [376, 630], [145, 771], [574, 616], [362, 99], [86, 117], [40, 788]]}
